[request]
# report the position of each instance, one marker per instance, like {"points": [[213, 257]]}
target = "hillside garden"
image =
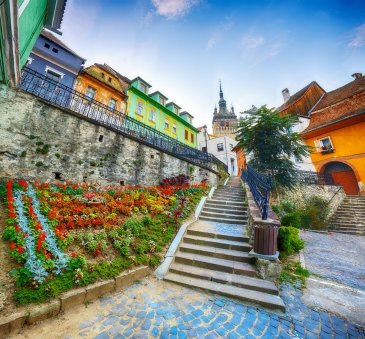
{"points": [[64, 235]]}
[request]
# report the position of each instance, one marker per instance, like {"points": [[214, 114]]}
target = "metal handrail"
{"points": [[260, 187], [66, 97]]}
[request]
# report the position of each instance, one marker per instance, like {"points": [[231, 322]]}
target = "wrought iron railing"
{"points": [[260, 187], [315, 178], [66, 97]]}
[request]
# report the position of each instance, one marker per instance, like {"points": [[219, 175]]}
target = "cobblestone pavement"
{"points": [[159, 309], [337, 257]]}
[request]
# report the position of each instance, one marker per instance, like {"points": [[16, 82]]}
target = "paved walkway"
{"points": [[337, 264], [337, 257], [153, 308]]}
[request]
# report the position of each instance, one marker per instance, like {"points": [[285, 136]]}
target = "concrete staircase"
{"points": [[350, 216], [213, 254]]}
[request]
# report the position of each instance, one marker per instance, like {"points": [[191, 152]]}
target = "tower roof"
{"points": [[223, 113]]}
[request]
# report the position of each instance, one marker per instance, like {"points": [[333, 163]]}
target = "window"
{"points": [[143, 87], [112, 103], [161, 101], [174, 128], [324, 145], [186, 135], [220, 147], [176, 110], [204, 149], [166, 124], [55, 50], [101, 138], [152, 115], [53, 75], [192, 137], [231, 147], [103, 75], [90, 92], [139, 109], [110, 79], [47, 45]]}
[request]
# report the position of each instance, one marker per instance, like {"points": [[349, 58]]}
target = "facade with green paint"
{"points": [[21, 22], [154, 111]]}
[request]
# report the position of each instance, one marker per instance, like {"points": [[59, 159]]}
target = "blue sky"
{"points": [[257, 48]]}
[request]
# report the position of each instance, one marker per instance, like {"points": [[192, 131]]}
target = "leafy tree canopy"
{"points": [[269, 141]]}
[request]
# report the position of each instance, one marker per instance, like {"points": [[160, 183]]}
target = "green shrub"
{"points": [[289, 241], [291, 219], [315, 213]]}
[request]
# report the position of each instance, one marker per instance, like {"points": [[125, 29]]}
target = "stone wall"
{"points": [[40, 141], [333, 194]]}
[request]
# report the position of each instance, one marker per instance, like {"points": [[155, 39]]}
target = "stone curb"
{"points": [[15, 322], [162, 270]]}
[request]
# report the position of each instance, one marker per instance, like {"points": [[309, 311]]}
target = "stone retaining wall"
{"points": [[333, 194], [40, 141]]}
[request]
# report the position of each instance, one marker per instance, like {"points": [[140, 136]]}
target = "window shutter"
{"points": [[317, 145]]}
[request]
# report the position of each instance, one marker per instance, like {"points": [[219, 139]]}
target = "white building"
{"points": [[221, 147]]}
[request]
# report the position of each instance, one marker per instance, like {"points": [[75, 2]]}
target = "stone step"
{"points": [[224, 220], [225, 215], [348, 232], [225, 278], [348, 215], [347, 227], [223, 202], [212, 235], [346, 222], [227, 198], [225, 210], [229, 192], [214, 252], [257, 297], [217, 243], [217, 264]]}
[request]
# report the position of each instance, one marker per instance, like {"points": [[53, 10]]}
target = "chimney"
{"points": [[286, 94], [356, 75]]}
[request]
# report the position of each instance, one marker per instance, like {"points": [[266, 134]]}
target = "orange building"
{"points": [[102, 84], [241, 159], [337, 133]]}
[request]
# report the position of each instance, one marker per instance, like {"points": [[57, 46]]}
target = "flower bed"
{"points": [[71, 234]]}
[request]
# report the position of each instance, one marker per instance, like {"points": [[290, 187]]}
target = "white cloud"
{"points": [[252, 41], [219, 32], [174, 8], [359, 38]]}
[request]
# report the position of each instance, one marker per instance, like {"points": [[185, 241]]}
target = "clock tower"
{"points": [[224, 121]]}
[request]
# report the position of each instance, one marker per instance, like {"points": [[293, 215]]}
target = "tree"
{"points": [[268, 139]]}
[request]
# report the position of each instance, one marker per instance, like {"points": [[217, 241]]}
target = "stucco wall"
{"points": [[27, 124]]}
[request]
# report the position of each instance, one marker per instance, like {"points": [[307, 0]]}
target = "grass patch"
{"points": [[293, 272]]}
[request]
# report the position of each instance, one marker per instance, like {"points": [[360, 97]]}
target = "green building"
{"points": [[154, 111], [21, 22]]}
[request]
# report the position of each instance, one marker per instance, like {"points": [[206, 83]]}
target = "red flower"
{"points": [[74, 255], [20, 249], [17, 229], [12, 245]]}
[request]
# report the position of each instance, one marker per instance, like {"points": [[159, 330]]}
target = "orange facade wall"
{"points": [[103, 92], [349, 144]]}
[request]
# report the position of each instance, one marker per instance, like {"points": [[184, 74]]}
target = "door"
{"points": [[344, 176]]}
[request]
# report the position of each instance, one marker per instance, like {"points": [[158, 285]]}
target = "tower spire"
{"points": [[220, 89]]}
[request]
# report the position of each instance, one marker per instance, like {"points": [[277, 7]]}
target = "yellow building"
{"points": [[337, 134], [102, 84]]}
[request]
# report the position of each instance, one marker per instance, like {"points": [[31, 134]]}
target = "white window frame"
{"points": [[319, 143], [89, 97], [167, 124], [174, 128], [161, 101], [143, 88], [139, 108], [220, 145], [152, 115], [115, 103], [54, 71]]}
